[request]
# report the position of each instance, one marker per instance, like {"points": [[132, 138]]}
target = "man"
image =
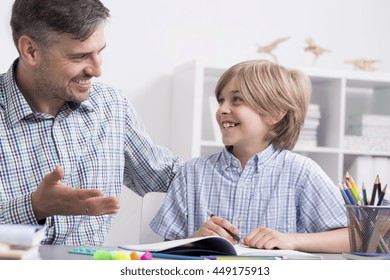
{"points": [[67, 145]]}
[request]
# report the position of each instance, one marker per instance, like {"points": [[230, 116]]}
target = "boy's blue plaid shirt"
{"points": [[277, 189]]}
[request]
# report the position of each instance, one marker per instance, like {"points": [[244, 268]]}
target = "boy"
{"points": [[256, 187]]}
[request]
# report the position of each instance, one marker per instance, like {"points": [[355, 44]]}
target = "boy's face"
{"points": [[241, 126]]}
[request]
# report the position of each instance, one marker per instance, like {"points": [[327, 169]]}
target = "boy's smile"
{"points": [[227, 125]]}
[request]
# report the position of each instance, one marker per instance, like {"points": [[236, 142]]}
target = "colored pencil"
{"points": [[375, 189], [382, 196], [356, 189], [176, 257], [349, 194], [353, 191], [352, 182], [235, 258], [364, 191], [346, 199]]}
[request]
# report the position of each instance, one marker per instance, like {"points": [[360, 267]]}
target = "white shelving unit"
{"points": [[340, 95]]}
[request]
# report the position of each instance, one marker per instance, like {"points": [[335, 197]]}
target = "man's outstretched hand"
{"points": [[54, 198]]}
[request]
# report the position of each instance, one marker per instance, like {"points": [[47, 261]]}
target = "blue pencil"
{"points": [[345, 196], [175, 257], [349, 194]]}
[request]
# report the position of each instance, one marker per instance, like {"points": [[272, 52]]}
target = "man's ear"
{"points": [[273, 121], [28, 50]]}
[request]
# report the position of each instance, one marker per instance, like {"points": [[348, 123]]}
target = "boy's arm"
{"points": [[333, 241]]}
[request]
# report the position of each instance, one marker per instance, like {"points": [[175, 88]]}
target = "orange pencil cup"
{"points": [[369, 228]]}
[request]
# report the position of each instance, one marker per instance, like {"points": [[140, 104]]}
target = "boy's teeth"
{"points": [[226, 125]]}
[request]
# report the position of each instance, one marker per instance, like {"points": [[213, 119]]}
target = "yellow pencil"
{"points": [[353, 187], [353, 184], [353, 191]]}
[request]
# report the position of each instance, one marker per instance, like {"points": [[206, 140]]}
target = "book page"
{"points": [[243, 250]]}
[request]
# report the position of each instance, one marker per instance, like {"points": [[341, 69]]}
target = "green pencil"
{"points": [[365, 202]]}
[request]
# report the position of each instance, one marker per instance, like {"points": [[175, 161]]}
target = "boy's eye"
{"points": [[237, 99]]}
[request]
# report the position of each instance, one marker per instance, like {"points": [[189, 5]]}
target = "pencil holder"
{"points": [[369, 228]]}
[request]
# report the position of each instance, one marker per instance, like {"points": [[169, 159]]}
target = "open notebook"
{"points": [[216, 246]]}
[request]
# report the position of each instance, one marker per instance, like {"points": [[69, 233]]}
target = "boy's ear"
{"points": [[28, 50], [273, 121]]}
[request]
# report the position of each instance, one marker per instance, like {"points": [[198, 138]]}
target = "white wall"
{"points": [[147, 39]]}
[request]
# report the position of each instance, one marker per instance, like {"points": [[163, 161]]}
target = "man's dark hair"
{"points": [[42, 19]]}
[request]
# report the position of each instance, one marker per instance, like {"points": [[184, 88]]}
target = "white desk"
{"points": [[59, 252]]}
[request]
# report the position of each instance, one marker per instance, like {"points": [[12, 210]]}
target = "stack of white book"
{"points": [[368, 132], [308, 134], [20, 241]]}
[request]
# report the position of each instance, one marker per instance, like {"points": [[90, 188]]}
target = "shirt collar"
{"points": [[15, 105], [260, 159]]}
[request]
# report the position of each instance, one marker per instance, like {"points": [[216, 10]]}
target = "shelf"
{"points": [[367, 153]]}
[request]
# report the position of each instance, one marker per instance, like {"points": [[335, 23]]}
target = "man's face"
{"points": [[66, 68]]}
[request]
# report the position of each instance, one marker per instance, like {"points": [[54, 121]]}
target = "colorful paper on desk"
{"points": [[215, 245]]}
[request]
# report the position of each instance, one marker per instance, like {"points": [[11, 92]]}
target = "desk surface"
{"points": [[59, 252]]}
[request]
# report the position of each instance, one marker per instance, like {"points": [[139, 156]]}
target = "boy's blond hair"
{"points": [[271, 90]]}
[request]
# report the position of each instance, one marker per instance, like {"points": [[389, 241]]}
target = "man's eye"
{"points": [[80, 57]]}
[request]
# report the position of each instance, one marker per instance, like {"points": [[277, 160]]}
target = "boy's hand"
{"points": [[266, 238], [217, 226]]}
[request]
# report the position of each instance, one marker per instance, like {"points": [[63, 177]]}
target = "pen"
{"points": [[235, 237]]}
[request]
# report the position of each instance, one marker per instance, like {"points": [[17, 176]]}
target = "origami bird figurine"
{"points": [[270, 47], [364, 64], [315, 49]]}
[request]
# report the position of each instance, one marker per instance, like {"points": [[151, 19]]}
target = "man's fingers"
{"points": [[55, 176], [100, 206], [87, 193]]}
